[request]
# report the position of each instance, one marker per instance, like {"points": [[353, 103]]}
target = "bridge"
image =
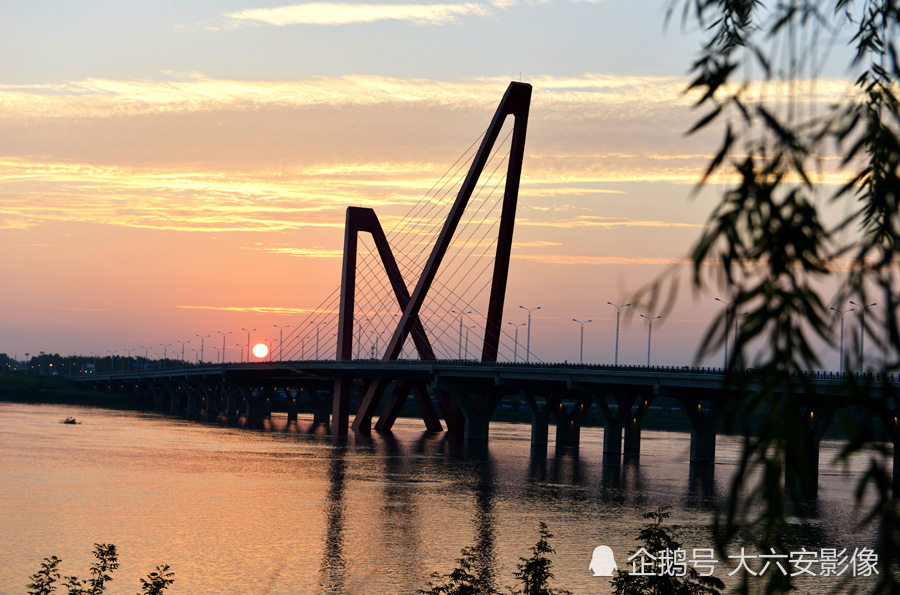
{"points": [[467, 394], [439, 265]]}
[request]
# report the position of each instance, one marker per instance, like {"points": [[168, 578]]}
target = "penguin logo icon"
{"points": [[603, 562]]}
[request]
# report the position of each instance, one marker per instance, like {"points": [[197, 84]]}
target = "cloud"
{"points": [[254, 309], [594, 260], [310, 252], [605, 222], [336, 13]]}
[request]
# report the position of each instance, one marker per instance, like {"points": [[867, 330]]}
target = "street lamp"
{"points": [[183, 343], [727, 305], [841, 358], [223, 344], [202, 339], [649, 333], [616, 361], [581, 351], [461, 316], [516, 347], [528, 339], [165, 347], [249, 330], [467, 338], [862, 329], [318, 324], [280, 341]]}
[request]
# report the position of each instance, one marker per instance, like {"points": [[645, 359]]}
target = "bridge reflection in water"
{"points": [[467, 395]]}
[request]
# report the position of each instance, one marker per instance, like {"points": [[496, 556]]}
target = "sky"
{"points": [[172, 172]]}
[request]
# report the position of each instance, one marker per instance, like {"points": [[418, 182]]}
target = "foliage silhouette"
{"points": [[654, 538], [465, 579], [107, 562], [809, 220], [533, 574]]}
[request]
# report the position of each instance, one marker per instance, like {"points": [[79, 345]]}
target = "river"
{"points": [[293, 512]]}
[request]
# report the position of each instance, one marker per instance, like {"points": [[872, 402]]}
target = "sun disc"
{"points": [[260, 350]]}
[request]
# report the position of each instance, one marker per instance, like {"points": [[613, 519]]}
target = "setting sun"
{"points": [[260, 350]]}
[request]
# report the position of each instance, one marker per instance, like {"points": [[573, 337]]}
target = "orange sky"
{"points": [[141, 210]]}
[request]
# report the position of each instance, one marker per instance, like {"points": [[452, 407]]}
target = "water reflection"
{"points": [[701, 487], [333, 567]]}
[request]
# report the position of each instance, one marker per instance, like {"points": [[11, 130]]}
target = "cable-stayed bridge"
{"points": [[418, 314]]}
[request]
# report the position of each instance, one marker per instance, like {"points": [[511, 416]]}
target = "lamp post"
{"points": [[217, 353], [280, 341], [528, 335], [461, 316], [359, 330], [240, 350], [467, 338], [862, 329], [727, 305], [318, 324], [617, 307], [249, 330], [581, 351], [202, 340], [165, 347], [516, 347], [841, 353], [183, 343], [649, 334], [377, 337], [223, 343]]}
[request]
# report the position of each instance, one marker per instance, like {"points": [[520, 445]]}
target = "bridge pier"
{"points": [[321, 406], [477, 411], [192, 397], [259, 412], [614, 422], [453, 415], [540, 419], [293, 408], [568, 423], [211, 411], [231, 406], [633, 426], [703, 429], [175, 403], [340, 406], [158, 398], [801, 469]]}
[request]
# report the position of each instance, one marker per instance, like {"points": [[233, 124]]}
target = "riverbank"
{"points": [[56, 390]]}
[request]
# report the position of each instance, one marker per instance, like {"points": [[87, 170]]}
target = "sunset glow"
{"points": [[199, 184], [260, 351]]}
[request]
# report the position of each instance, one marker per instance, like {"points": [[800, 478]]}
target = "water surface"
{"points": [[292, 512]]}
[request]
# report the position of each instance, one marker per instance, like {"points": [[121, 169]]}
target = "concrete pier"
{"points": [[633, 426], [540, 419], [703, 429]]}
